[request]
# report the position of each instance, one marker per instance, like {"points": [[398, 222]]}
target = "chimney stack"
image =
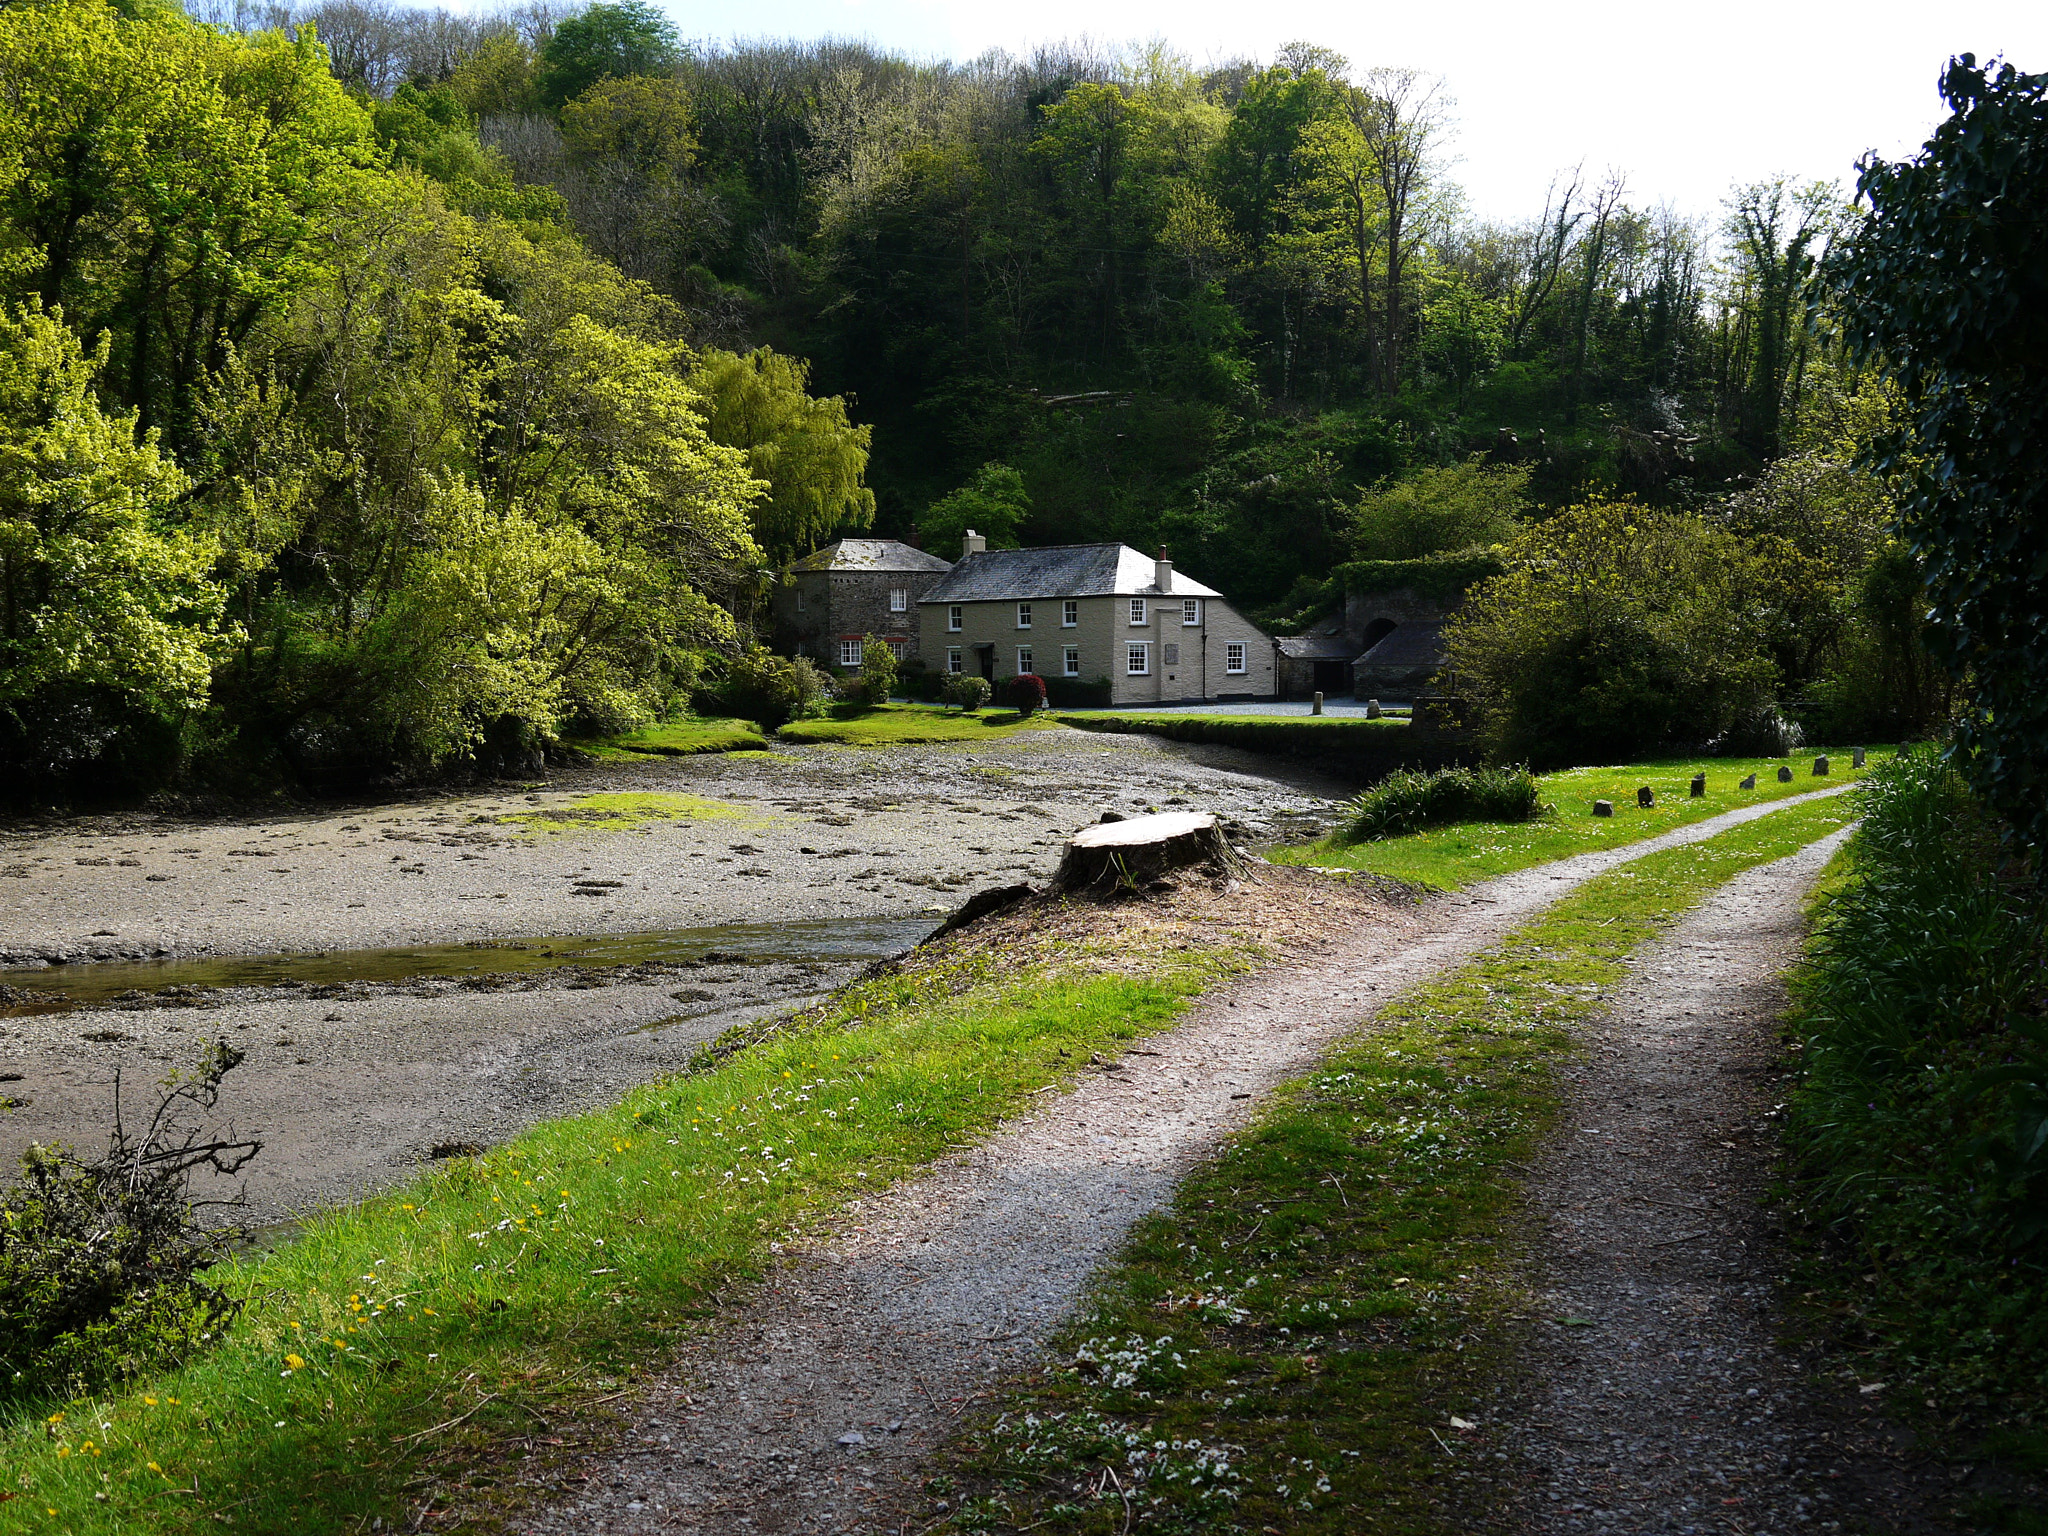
{"points": [[973, 544], [1162, 573]]}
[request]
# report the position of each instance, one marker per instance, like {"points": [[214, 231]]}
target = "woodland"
{"points": [[388, 390]]}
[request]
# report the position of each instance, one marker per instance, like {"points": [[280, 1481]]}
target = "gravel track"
{"points": [[813, 1407], [1659, 1398]]}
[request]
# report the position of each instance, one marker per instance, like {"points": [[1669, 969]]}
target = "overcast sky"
{"points": [[1685, 100]]}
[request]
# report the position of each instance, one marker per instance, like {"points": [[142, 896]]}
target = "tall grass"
{"points": [[1410, 800], [1916, 1126]]}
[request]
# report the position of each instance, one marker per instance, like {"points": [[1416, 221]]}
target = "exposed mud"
{"points": [[350, 1083]]}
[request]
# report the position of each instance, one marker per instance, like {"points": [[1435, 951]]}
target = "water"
{"points": [[60, 988]]}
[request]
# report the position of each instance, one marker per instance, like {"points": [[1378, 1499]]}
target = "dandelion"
{"points": [[295, 1362]]}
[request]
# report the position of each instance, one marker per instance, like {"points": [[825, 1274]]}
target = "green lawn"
{"points": [[677, 738], [1295, 1342], [1450, 857], [903, 725], [403, 1341]]}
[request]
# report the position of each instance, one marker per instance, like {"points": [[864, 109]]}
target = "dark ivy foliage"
{"points": [[1946, 285]]}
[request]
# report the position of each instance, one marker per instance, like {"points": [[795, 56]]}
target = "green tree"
{"points": [[803, 446], [1944, 284], [993, 503], [108, 610], [1441, 510], [1615, 631], [612, 40]]}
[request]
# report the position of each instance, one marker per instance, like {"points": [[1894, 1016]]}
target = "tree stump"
{"points": [[1128, 855]]}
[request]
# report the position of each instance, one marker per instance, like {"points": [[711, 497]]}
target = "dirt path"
{"points": [[812, 1409], [1660, 1398]]}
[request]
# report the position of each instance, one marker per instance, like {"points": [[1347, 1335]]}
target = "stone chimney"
{"points": [[1162, 573], [973, 544]]}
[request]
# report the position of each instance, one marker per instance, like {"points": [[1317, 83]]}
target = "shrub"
{"points": [[968, 692], [1409, 800], [1917, 1123], [760, 686], [877, 671], [1025, 693], [1440, 509], [1077, 693], [100, 1261]]}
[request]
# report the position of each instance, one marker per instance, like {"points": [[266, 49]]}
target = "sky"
{"points": [[1684, 101]]}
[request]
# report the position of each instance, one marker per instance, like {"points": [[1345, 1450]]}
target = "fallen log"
{"points": [[1129, 855]]}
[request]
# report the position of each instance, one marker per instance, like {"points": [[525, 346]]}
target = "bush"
{"points": [[768, 689], [877, 671], [1077, 693], [100, 1261], [1440, 509], [1025, 693], [1615, 630], [1917, 1124], [968, 692], [1408, 801]]}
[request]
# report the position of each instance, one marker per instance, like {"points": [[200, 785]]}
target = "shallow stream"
{"points": [[62, 988]]}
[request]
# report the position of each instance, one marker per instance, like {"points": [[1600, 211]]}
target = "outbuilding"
{"points": [[831, 599]]}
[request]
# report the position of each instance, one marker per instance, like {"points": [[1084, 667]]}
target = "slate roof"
{"points": [[1065, 570], [870, 555], [1315, 647], [1418, 643]]}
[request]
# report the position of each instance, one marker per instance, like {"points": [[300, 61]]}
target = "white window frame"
{"points": [[896, 646], [1023, 615], [955, 664], [1234, 658], [1070, 661], [954, 617], [1137, 659], [1190, 612], [899, 599], [1139, 615], [1025, 660], [849, 653], [1070, 614]]}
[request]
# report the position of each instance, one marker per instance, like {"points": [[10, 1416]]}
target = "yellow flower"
{"points": [[154, 1467], [62, 1452], [295, 1362], [151, 1401], [55, 1418], [430, 1312]]}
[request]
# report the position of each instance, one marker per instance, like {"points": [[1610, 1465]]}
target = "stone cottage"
{"points": [[1093, 612], [851, 588], [1387, 640]]}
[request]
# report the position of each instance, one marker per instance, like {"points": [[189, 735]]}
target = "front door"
{"points": [[985, 658]]}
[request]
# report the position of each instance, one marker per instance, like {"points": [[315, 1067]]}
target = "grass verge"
{"points": [[1307, 1340], [1370, 746], [395, 1343], [1468, 852], [906, 725], [1922, 1079], [678, 738]]}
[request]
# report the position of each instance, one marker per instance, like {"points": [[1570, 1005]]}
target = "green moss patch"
{"points": [[626, 812]]}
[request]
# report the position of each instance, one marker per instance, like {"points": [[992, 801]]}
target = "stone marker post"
{"points": [[1646, 797], [1603, 807], [1856, 758], [1785, 775], [1317, 707], [1820, 767], [1372, 709], [1699, 786], [1748, 783]]}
